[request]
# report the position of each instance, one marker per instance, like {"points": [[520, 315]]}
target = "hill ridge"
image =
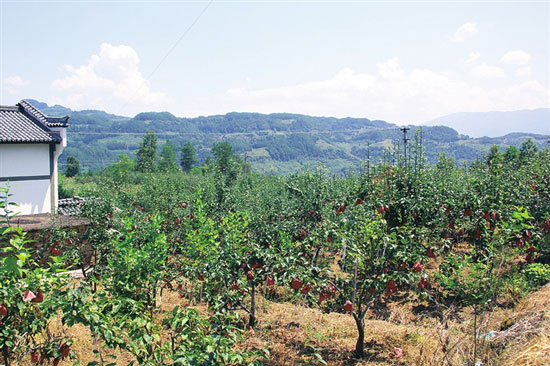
{"points": [[276, 143]]}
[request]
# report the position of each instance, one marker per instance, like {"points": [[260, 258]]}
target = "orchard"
{"points": [[185, 268]]}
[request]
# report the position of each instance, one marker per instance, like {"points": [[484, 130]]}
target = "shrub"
{"points": [[537, 274]]}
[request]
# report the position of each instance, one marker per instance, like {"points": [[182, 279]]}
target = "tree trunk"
{"points": [[360, 344], [252, 319], [6, 355]]}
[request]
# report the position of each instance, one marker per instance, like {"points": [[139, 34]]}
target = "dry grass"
{"points": [[527, 340], [299, 335]]}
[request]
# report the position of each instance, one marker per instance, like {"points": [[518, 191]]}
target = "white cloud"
{"points": [[465, 31], [110, 80], [393, 93], [16, 81], [472, 59], [487, 71], [523, 71], [517, 57], [12, 84]]}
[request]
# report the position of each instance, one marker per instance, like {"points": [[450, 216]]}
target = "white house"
{"points": [[30, 143]]}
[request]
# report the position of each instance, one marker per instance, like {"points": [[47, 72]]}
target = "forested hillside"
{"points": [[277, 143]]}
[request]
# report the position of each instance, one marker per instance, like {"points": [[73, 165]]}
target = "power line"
{"points": [[170, 51]]}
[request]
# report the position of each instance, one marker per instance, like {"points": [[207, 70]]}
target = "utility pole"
{"points": [[405, 140]]}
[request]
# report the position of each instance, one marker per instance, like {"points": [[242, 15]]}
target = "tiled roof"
{"points": [[48, 121], [73, 206], [23, 124]]}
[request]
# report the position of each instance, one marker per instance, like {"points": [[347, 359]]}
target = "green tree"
{"points": [[167, 159], [494, 157], [223, 152], [528, 150], [146, 155], [511, 154], [73, 166], [122, 167], [188, 156]]}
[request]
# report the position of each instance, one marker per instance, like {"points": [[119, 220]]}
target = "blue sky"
{"points": [[404, 62]]}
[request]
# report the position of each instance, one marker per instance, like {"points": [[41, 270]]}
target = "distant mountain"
{"points": [[55, 110], [494, 124], [278, 143]]}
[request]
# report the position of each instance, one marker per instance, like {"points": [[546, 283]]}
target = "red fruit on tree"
{"points": [[418, 267], [39, 296], [348, 306], [547, 224], [430, 252], [403, 265], [528, 234], [249, 276], [3, 310], [468, 212], [178, 220], [256, 265], [34, 356], [391, 287], [520, 243], [55, 251], [477, 233], [487, 216], [201, 277], [306, 289], [235, 286], [270, 281], [423, 284], [381, 210], [64, 349], [295, 284], [28, 295], [359, 201]]}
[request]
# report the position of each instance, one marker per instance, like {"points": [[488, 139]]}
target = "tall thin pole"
{"points": [[405, 140]]}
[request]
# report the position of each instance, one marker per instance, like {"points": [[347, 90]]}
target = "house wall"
{"points": [[57, 152], [27, 166]]}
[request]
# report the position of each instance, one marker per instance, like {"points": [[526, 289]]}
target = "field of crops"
{"points": [[400, 263]]}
